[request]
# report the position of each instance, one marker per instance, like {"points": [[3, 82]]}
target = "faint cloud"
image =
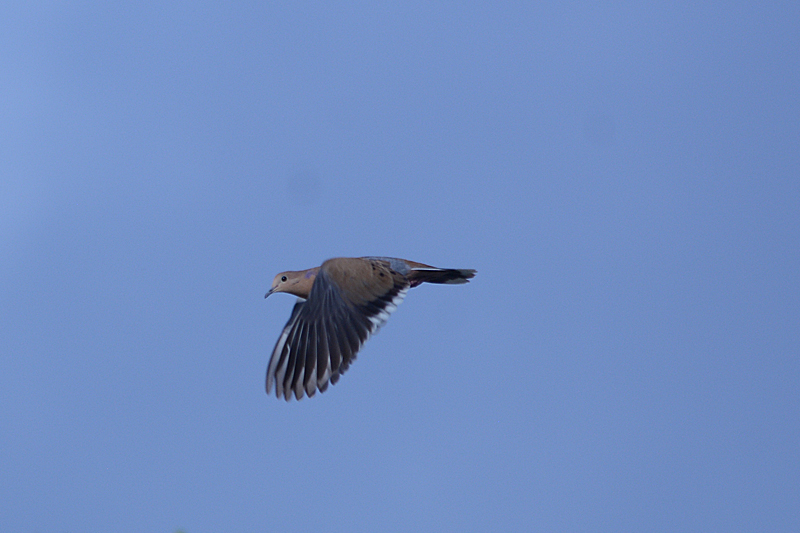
{"points": [[599, 129], [304, 187]]}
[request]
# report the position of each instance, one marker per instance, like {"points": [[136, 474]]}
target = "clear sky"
{"points": [[624, 177]]}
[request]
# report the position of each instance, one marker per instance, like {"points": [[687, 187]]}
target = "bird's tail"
{"points": [[439, 275]]}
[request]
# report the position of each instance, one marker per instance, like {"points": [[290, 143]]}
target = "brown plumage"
{"points": [[344, 301]]}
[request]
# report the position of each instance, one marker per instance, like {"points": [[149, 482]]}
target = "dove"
{"points": [[341, 304]]}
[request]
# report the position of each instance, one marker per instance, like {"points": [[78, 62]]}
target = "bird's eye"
{"points": [[283, 278]]}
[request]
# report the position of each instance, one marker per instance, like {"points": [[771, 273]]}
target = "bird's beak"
{"points": [[269, 292]]}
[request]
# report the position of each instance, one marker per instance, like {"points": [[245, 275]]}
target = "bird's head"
{"points": [[294, 282]]}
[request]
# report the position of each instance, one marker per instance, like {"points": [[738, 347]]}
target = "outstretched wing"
{"points": [[349, 301]]}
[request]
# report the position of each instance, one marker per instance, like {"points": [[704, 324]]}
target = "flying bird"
{"points": [[341, 303]]}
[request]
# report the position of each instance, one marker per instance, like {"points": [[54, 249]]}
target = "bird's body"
{"points": [[344, 301]]}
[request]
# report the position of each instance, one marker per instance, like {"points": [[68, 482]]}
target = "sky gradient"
{"points": [[624, 178]]}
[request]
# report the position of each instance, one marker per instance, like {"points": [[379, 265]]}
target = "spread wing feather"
{"points": [[324, 333]]}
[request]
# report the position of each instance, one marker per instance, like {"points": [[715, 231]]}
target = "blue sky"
{"points": [[625, 179]]}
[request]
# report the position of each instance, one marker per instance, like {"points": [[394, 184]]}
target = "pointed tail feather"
{"points": [[439, 275]]}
